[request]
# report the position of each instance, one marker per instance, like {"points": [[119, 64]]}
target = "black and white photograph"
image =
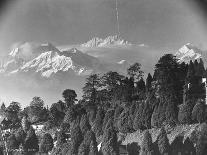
{"points": [[103, 77]]}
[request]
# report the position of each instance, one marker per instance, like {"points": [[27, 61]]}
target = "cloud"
{"points": [[143, 45]]}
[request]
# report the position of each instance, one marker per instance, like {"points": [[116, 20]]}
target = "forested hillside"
{"points": [[112, 108]]}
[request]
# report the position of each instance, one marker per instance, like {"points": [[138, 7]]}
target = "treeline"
{"points": [[114, 103]]}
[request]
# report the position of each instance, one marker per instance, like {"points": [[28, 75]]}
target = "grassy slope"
{"points": [[180, 130]]}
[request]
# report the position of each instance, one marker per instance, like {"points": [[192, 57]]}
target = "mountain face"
{"points": [[46, 59], [189, 52], [107, 42]]}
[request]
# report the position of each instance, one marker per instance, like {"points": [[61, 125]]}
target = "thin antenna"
{"points": [[117, 18]]}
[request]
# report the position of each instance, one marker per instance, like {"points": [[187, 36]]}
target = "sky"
{"points": [[162, 24]]}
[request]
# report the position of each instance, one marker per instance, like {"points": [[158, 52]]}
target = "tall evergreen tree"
{"points": [[109, 116], [12, 143], [201, 69], [201, 140], [35, 109], [163, 142], [25, 124], [149, 83], [135, 72], [198, 113], [46, 143], [155, 117], [138, 120], [91, 88], [69, 96], [184, 114], [98, 123], [147, 146], [31, 141], [140, 90], [20, 136], [169, 85], [123, 125], [76, 139], [84, 124], [109, 144]]}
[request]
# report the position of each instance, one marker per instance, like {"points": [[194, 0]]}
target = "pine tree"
{"points": [[146, 115], [149, 83], [138, 120], [91, 88], [61, 138], [169, 87], [2, 109], [198, 113], [69, 96], [201, 140], [163, 142], [109, 144], [76, 139], [84, 124], [117, 113], [36, 107], [131, 117], [155, 117], [123, 125], [184, 114], [91, 113], [177, 145], [147, 146], [20, 136], [201, 69], [108, 116], [140, 90], [189, 147], [46, 143], [31, 141], [12, 143], [83, 149], [98, 123], [171, 114], [70, 115], [25, 124], [135, 72]]}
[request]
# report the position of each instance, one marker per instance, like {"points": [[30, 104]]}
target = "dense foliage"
{"points": [[113, 103]]}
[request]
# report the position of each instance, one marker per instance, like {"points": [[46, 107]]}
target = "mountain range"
{"points": [[44, 70]]}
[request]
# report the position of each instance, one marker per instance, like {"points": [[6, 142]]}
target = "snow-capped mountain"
{"points": [[46, 60], [188, 52], [29, 50], [51, 62], [107, 42]]}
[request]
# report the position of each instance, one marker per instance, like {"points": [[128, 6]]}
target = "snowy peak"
{"points": [[48, 60], [188, 52], [30, 50], [107, 42], [48, 63]]}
